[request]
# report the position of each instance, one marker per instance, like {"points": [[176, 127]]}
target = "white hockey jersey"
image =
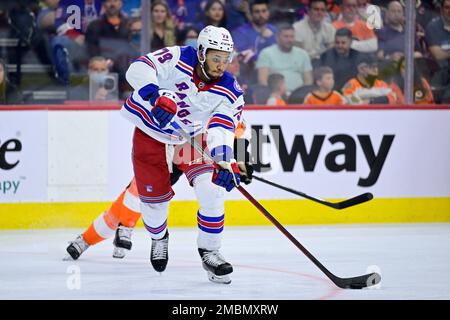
{"points": [[217, 105]]}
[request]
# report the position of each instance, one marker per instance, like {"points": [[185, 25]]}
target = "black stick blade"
{"points": [[360, 282], [354, 201]]}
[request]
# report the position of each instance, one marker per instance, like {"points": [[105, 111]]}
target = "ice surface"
{"points": [[414, 260]]}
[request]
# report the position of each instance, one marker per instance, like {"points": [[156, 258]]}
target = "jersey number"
{"points": [[163, 55]]}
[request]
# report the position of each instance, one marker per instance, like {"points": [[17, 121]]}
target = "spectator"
{"points": [[98, 84], [21, 21], [235, 69], [162, 26], [277, 87], [238, 13], [186, 12], [365, 12], [425, 12], [283, 58], [391, 38], [110, 28], [438, 35], [312, 33], [366, 88], [324, 94], [362, 9], [333, 10], [214, 15], [9, 94], [422, 89], [103, 84], [364, 38], [68, 39], [135, 29], [252, 37], [188, 37], [99, 64], [108, 37], [342, 58]]}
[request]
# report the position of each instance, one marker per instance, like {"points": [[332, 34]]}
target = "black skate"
{"points": [[216, 266], [76, 248], [122, 241], [159, 256]]}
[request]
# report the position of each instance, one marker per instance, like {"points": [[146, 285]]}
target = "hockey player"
{"points": [[193, 88]]}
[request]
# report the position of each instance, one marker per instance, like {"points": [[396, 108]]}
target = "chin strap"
{"points": [[202, 67], [204, 71]]}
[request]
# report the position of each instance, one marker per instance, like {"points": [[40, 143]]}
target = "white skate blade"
{"points": [[119, 253], [218, 279]]}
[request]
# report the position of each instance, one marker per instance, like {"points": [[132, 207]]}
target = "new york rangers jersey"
{"points": [[216, 106]]}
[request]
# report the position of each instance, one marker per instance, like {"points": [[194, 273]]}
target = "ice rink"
{"points": [[413, 259]]}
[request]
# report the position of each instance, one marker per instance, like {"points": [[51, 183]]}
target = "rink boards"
{"points": [[61, 168]]}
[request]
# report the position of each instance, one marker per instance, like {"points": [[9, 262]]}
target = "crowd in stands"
{"points": [[287, 51]]}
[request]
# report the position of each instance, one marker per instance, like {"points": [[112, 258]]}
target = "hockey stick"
{"points": [[335, 205], [359, 282]]}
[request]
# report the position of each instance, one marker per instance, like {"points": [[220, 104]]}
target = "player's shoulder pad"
{"points": [[229, 85], [188, 55]]}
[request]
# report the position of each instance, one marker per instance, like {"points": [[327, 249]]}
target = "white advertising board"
{"points": [[120, 168], [68, 156], [342, 153], [23, 156], [329, 153]]}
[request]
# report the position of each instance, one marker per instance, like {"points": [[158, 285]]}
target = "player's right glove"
{"points": [[165, 108]]}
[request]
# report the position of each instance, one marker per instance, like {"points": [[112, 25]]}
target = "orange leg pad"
{"points": [[130, 210], [106, 224]]}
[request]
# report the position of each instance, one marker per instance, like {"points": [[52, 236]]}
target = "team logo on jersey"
{"points": [[237, 86], [201, 85], [149, 188]]}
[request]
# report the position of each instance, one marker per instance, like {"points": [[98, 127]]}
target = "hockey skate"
{"points": [[122, 241], [159, 256], [76, 248], [216, 266]]}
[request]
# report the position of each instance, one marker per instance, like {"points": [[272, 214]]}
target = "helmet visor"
{"points": [[219, 57]]}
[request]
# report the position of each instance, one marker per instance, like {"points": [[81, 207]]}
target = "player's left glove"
{"points": [[226, 174], [242, 157], [246, 171], [165, 108]]}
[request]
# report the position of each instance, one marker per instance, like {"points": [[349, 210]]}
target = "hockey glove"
{"points": [[226, 174], [246, 171], [242, 156], [165, 108]]}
